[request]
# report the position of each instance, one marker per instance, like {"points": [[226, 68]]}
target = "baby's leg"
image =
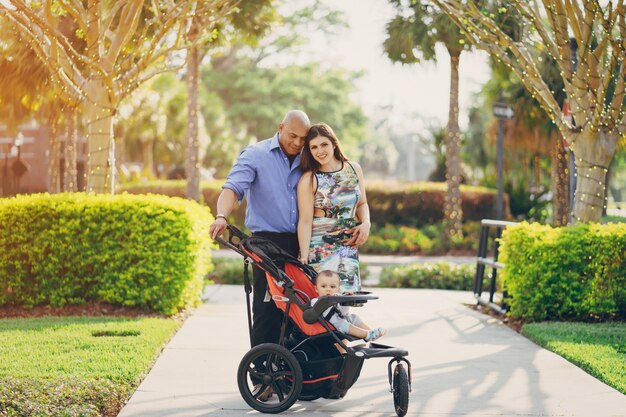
{"points": [[357, 332], [356, 320]]}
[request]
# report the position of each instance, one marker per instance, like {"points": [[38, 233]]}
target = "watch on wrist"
{"points": [[220, 216]]}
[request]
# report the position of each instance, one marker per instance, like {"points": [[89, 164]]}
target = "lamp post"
{"points": [[5, 173], [19, 167], [502, 111]]}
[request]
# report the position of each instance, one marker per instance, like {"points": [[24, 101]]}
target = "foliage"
{"points": [[400, 204], [228, 271], [136, 41], [574, 272], [589, 60], [526, 205], [440, 275], [420, 203], [411, 38], [56, 366], [324, 94], [597, 348], [146, 251], [427, 240]]}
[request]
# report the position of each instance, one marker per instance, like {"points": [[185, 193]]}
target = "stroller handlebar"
{"points": [[235, 236]]}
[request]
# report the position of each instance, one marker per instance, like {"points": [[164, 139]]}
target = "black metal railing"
{"points": [[482, 261]]}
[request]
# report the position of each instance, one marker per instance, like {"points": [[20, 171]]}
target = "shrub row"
{"points": [[415, 204], [427, 240], [575, 272], [440, 275], [150, 252]]}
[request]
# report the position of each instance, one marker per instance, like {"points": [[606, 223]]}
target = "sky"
{"points": [[419, 91]]}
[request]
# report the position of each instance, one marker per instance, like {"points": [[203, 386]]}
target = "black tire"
{"points": [[400, 390], [280, 370]]}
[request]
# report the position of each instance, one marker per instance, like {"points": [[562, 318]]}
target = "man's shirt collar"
{"points": [[274, 143]]}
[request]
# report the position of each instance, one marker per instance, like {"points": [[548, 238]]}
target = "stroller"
{"points": [[312, 361]]}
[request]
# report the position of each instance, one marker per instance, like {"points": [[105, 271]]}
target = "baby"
{"points": [[327, 283]]}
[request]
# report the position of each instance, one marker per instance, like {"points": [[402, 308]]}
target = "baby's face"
{"points": [[327, 285]]}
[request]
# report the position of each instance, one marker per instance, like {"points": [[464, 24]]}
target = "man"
{"points": [[267, 174]]}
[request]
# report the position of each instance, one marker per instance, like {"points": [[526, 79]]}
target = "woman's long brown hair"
{"points": [[307, 162]]}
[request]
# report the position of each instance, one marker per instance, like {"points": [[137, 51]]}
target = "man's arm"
{"points": [[225, 203]]}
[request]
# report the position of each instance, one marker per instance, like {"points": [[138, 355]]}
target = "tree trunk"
{"points": [[101, 157], [593, 152], [192, 166], [453, 213], [70, 173], [560, 182], [147, 157], [53, 162]]}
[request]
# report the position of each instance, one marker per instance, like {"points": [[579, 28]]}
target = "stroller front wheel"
{"points": [[269, 368], [400, 390]]}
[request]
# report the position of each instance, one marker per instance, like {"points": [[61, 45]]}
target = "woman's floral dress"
{"points": [[336, 196]]}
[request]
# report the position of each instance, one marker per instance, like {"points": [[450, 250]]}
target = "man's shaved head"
{"points": [[297, 115], [291, 132]]}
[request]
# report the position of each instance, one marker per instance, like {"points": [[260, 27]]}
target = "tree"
{"points": [[246, 24], [255, 99], [595, 87], [26, 94], [123, 44], [411, 38]]}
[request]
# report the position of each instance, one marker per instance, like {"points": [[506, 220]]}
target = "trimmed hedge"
{"points": [[150, 252], [408, 204], [575, 272], [439, 275]]}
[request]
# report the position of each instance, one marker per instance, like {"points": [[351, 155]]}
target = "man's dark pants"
{"points": [[266, 317]]}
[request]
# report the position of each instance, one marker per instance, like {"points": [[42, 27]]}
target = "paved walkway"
{"points": [[464, 364]]}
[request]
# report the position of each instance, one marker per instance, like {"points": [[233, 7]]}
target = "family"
{"points": [[303, 194]]}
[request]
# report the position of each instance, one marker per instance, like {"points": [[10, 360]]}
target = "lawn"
{"points": [[597, 348], [76, 366]]}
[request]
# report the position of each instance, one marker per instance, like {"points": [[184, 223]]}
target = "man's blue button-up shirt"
{"points": [[263, 175]]}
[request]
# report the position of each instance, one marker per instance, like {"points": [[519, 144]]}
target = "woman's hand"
{"points": [[359, 234]]}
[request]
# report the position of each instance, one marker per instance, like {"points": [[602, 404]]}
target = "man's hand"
{"points": [[217, 227], [359, 235]]}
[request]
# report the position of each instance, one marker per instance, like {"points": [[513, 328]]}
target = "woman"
{"points": [[334, 216]]}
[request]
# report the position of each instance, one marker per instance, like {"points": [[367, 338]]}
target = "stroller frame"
{"points": [[275, 367]]}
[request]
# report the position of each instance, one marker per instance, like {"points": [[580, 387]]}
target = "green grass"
{"points": [[76, 366], [597, 348]]}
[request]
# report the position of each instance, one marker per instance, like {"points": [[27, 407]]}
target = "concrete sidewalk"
{"points": [[464, 364]]}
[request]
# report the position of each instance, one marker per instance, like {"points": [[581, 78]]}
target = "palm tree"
{"points": [[596, 87], [411, 38]]}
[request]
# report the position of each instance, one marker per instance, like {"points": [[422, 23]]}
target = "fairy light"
{"points": [[596, 118], [80, 76]]}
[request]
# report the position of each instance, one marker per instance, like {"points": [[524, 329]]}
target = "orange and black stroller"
{"points": [[313, 360]]}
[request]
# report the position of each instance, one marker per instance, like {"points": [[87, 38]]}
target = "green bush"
{"points": [[149, 251], [228, 271], [440, 275], [427, 240], [402, 204], [420, 203], [574, 272]]}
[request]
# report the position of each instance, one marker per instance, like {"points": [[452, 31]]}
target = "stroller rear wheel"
{"points": [[269, 368], [400, 390]]}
